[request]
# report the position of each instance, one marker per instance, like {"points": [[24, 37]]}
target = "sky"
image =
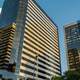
{"points": [[62, 12]]}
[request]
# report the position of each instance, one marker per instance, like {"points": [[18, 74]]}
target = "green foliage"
{"points": [[72, 75], [68, 75]]}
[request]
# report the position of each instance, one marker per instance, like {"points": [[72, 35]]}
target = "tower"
{"points": [[72, 33], [35, 48]]}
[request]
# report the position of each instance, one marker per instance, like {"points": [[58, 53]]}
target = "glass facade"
{"points": [[73, 36], [9, 12]]}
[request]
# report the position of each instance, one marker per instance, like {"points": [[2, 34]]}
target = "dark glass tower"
{"points": [[72, 33], [9, 12]]}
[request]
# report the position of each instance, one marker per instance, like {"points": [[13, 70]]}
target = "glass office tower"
{"points": [[72, 33], [34, 53]]}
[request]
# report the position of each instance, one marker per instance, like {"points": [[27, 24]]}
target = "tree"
{"points": [[72, 75], [69, 75]]}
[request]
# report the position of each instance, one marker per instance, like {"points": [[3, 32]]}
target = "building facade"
{"points": [[72, 33], [35, 51], [6, 41]]}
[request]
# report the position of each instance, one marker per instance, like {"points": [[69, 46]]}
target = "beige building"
{"points": [[35, 49], [6, 42]]}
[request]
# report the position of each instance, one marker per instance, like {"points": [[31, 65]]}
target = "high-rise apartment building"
{"points": [[6, 41], [33, 47], [72, 34]]}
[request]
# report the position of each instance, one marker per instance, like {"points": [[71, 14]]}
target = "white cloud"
{"points": [[0, 10]]}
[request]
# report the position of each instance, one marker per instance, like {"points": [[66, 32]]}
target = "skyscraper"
{"points": [[72, 33], [35, 46]]}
